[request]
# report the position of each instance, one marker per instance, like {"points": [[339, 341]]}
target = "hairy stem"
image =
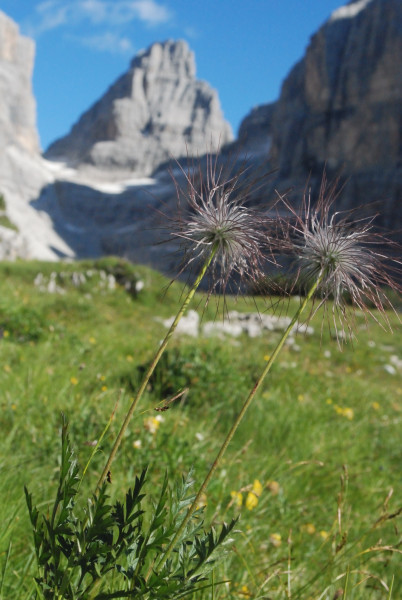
{"points": [[237, 422], [153, 364]]}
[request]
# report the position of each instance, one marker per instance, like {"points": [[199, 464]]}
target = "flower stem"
{"points": [[238, 420], [153, 364]]}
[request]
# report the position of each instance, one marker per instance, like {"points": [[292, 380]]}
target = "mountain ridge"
{"points": [[155, 110], [339, 110]]}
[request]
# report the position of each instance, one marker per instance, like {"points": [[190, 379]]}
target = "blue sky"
{"points": [[243, 48]]}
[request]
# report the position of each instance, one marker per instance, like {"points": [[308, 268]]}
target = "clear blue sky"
{"points": [[243, 48]]}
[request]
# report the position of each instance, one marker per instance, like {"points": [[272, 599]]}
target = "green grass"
{"points": [[323, 436], [4, 220]]}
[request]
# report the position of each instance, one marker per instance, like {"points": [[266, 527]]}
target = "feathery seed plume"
{"points": [[346, 253], [216, 218]]}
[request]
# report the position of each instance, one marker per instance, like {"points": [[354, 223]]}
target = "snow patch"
{"points": [[62, 171], [349, 11], [120, 187]]}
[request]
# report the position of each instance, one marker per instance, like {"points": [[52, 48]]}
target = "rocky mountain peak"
{"points": [[172, 58], [158, 109]]}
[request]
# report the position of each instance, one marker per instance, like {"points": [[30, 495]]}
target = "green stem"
{"points": [[153, 364], [237, 422]]}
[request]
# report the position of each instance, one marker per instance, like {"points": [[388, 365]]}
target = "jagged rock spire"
{"points": [[158, 109]]}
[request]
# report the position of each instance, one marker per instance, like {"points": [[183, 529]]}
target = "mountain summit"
{"points": [[158, 109], [339, 109]]}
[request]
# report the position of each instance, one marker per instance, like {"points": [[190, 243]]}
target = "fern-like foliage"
{"points": [[106, 551]]}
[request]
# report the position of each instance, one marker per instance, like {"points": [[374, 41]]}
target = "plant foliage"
{"points": [[108, 550]]}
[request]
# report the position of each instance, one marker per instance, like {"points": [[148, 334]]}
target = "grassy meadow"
{"points": [[320, 446]]}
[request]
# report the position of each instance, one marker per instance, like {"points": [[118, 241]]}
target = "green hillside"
{"points": [[313, 471]]}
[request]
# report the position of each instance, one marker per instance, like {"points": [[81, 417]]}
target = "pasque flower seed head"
{"points": [[344, 253], [217, 220]]}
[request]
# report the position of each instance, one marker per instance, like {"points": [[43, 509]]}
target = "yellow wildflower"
{"points": [[244, 591], [129, 358], [348, 413], [152, 424], [344, 412], [328, 400], [300, 398], [251, 501], [375, 405], [92, 340], [237, 498], [257, 487], [275, 539], [308, 528], [73, 380], [104, 388], [324, 534], [267, 357], [6, 333]]}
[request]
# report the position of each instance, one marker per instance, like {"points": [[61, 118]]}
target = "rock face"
{"points": [[340, 107], [17, 104], [22, 172], [158, 109], [255, 130]]}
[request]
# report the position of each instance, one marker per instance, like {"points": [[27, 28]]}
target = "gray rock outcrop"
{"points": [[17, 103], [158, 109], [22, 171], [235, 324], [340, 108]]}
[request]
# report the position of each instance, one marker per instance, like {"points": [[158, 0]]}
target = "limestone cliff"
{"points": [[341, 106], [17, 104], [158, 109], [22, 171]]}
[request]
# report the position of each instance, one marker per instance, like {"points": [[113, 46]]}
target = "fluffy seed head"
{"points": [[345, 253], [216, 219]]}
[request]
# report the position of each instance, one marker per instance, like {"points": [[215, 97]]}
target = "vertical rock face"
{"points": [[342, 103], [156, 110], [17, 104], [22, 171], [340, 106]]}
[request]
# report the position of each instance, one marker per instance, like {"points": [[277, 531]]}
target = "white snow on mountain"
{"points": [[349, 11]]}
